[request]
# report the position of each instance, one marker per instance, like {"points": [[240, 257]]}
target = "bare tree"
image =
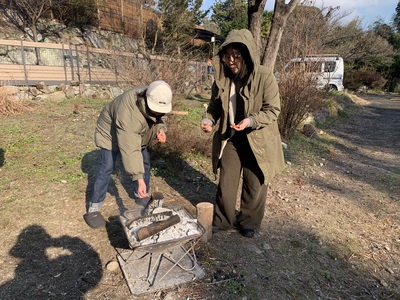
{"points": [[355, 44], [255, 12], [281, 14], [305, 32], [31, 11]]}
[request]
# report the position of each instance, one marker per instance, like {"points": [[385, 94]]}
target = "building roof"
{"points": [[206, 35]]}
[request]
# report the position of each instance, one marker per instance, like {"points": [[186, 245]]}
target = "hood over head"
{"points": [[237, 36], [242, 36]]}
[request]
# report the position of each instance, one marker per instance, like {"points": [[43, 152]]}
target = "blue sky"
{"points": [[367, 10]]}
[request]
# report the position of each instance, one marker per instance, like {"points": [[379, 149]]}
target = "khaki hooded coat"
{"points": [[262, 105]]}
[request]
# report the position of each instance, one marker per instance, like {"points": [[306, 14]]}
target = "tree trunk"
{"points": [[35, 38], [281, 14], [255, 11]]}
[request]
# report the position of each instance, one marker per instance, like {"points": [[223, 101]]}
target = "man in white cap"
{"points": [[126, 126]]}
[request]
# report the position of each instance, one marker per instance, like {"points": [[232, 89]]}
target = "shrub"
{"points": [[365, 76], [300, 97], [75, 12], [184, 138], [9, 105], [181, 73], [397, 88]]}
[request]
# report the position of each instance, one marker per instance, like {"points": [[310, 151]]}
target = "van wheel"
{"points": [[332, 88]]}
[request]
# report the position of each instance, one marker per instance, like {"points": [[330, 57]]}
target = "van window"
{"points": [[314, 66], [307, 66], [330, 66]]}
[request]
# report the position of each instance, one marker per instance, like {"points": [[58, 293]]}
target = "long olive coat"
{"points": [[262, 105]]}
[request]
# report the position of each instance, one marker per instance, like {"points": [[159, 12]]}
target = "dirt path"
{"points": [[337, 222]]}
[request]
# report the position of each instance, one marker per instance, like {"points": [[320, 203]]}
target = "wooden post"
{"points": [[205, 211]]}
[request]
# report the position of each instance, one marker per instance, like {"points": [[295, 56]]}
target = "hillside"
{"points": [[54, 32]]}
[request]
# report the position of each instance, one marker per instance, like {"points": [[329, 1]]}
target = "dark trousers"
{"points": [[238, 158], [103, 175]]}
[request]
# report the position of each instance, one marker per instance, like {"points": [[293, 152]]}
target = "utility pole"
{"points": [[213, 44]]}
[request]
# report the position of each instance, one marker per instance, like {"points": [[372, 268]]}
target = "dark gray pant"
{"points": [[237, 157]]}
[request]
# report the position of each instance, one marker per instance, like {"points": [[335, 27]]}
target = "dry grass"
{"points": [[9, 104]]}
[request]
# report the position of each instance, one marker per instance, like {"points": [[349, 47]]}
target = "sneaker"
{"points": [[94, 219], [215, 229]]}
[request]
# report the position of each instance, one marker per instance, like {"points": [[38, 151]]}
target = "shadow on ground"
{"points": [[285, 262], [51, 268]]}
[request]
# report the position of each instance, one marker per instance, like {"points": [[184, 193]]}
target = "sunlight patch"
{"points": [[53, 253]]}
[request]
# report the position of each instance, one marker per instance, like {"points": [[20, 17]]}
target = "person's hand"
{"points": [[142, 189], [242, 125], [205, 126], [161, 136]]}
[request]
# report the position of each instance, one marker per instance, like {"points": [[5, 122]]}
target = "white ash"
{"points": [[153, 206], [187, 227], [160, 210]]}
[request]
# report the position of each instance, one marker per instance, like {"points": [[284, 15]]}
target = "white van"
{"points": [[328, 69]]}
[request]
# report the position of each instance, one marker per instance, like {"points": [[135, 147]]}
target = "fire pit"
{"points": [[161, 240]]}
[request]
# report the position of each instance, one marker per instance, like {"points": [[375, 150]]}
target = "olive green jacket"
{"points": [[126, 125], [262, 106]]}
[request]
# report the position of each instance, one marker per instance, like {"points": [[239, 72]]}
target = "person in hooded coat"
{"points": [[244, 105], [125, 127]]}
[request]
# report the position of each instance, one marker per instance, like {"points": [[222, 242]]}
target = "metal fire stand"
{"points": [[159, 265]]}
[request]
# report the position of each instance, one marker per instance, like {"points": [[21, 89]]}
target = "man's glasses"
{"points": [[235, 56]]}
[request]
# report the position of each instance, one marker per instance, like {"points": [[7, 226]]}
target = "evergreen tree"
{"points": [[387, 32], [229, 15], [198, 14], [396, 18]]}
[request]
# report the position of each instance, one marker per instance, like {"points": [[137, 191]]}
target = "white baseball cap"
{"points": [[159, 97]]}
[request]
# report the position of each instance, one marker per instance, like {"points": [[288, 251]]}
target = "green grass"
{"points": [[303, 149], [195, 109], [47, 146]]}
